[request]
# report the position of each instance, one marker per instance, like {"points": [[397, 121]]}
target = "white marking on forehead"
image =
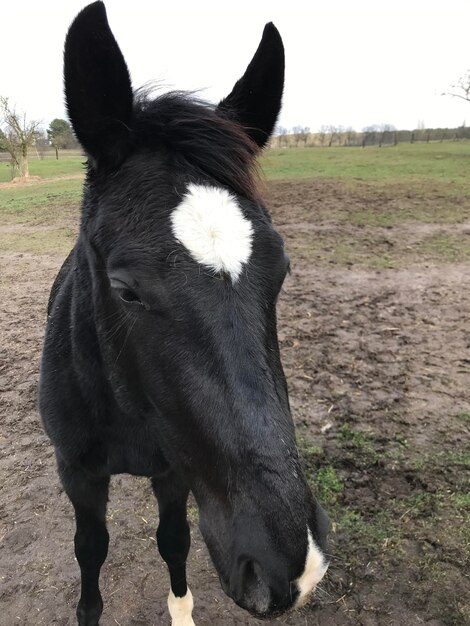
{"points": [[211, 225], [315, 569], [181, 609]]}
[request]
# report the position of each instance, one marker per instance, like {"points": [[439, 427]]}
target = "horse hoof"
{"points": [[89, 616]]}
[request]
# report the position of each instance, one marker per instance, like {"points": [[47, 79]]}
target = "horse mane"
{"points": [[194, 133]]}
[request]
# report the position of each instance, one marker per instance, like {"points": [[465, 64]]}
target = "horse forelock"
{"points": [[194, 133]]}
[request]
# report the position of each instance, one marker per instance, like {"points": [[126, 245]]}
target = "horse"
{"points": [[161, 356]]}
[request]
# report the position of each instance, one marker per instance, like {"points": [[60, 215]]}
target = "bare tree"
{"points": [[322, 135], [340, 134], [461, 89], [369, 135], [333, 133], [282, 136], [301, 133], [41, 144], [16, 135], [385, 132], [350, 135]]}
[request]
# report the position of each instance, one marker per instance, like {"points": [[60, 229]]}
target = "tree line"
{"points": [[374, 135], [377, 134]]}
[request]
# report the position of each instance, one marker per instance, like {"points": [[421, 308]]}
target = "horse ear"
{"points": [[255, 101], [98, 89]]}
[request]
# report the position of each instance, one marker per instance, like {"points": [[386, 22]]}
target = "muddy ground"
{"points": [[375, 333]]}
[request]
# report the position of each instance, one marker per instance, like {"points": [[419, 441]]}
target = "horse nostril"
{"points": [[248, 574], [251, 591]]}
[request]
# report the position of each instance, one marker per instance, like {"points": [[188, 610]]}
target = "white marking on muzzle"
{"points": [[181, 609], [315, 569], [210, 224]]}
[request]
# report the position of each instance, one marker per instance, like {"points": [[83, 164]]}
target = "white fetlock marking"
{"points": [[181, 609]]}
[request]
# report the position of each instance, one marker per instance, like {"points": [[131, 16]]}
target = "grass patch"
{"points": [[374, 251], [358, 440], [308, 451], [327, 485], [366, 535], [411, 203], [458, 458], [359, 446], [461, 501], [41, 203], [447, 161], [445, 248], [336, 247], [348, 253], [47, 241], [420, 505], [464, 416], [67, 165]]}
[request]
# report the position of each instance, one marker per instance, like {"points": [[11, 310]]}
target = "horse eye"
{"points": [[129, 296]]}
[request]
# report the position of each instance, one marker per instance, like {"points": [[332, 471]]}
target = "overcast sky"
{"points": [[350, 63]]}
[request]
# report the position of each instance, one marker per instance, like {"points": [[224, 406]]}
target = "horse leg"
{"points": [[173, 539], [89, 497]]}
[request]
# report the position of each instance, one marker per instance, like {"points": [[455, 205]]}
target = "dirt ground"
{"points": [[375, 334]]}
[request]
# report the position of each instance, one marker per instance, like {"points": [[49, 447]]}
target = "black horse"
{"points": [[161, 356]]}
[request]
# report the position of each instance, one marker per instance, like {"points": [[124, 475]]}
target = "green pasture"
{"points": [[439, 162], [446, 162], [68, 164], [39, 202], [380, 188]]}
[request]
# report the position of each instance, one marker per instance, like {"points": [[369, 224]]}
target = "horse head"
{"points": [[185, 268]]}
